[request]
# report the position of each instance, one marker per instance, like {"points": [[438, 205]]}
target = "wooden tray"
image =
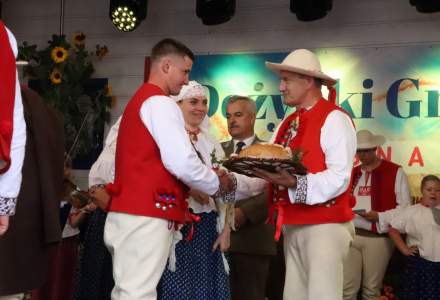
{"points": [[245, 165]]}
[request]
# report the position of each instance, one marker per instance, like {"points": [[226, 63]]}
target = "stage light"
{"points": [[310, 10], [426, 6], [214, 12], [126, 15]]}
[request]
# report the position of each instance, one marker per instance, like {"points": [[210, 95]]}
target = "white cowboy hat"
{"points": [[367, 140], [302, 61]]}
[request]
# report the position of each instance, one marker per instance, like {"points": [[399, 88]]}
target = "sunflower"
{"points": [[55, 76], [79, 39], [59, 54]]}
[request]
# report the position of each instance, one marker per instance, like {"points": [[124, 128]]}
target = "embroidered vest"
{"points": [[143, 186], [383, 182], [307, 139], [8, 78]]}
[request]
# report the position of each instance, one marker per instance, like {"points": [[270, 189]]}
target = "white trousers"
{"points": [[314, 260], [139, 247], [12, 297], [365, 266]]}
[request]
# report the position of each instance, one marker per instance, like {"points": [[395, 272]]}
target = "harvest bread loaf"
{"points": [[266, 151]]}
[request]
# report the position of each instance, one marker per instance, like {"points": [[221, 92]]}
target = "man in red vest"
{"points": [[313, 210], [12, 128], [154, 166], [378, 186]]}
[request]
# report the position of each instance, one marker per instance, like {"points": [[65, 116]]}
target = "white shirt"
{"points": [[247, 141], [205, 145], [338, 142], [103, 170], [164, 120], [418, 223], [177, 153], [403, 198], [10, 182]]}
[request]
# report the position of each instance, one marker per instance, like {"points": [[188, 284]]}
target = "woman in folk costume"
{"points": [[12, 128], [421, 224], [198, 268]]}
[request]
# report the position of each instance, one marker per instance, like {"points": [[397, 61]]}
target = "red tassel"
{"points": [[113, 189], [194, 218], [278, 207]]}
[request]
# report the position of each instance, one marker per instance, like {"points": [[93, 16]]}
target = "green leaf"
{"points": [[69, 96]]}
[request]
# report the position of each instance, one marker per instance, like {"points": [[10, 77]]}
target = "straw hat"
{"points": [[302, 61], [367, 140]]}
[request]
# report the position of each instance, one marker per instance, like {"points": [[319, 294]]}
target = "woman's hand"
{"points": [[100, 197], [411, 251], [199, 197], [89, 208], [223, 240]]}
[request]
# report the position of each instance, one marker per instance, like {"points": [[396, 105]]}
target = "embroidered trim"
{"points": [[7, 206], [301, 189]]}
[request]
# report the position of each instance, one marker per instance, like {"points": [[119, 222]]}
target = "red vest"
{"points": [[7, 97], [383, 182], [307, 139], [143, 186]]}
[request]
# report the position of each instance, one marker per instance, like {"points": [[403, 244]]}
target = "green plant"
{"points": [[63, 75]]}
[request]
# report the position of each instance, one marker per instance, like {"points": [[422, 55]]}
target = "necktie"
{"points": [[239, 146]]}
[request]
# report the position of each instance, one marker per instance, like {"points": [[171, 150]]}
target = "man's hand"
{"points": [[239, 218], [198, 196], [226, 183], [371, 216], [4, 224], [100, 197], [280, 177]]}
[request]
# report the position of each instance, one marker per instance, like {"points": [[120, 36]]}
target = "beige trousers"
{"points": [[314, 260], [139, 247], [12, 297], [365, 266]]}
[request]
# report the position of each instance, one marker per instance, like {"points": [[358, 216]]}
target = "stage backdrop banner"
{"points": [[393, 91]]}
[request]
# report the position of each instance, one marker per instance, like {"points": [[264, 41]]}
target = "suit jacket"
{"points": [[254, 237], [24, 247]]}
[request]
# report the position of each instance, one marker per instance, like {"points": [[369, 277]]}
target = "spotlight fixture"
{"points": [[310, 10], [126, 15], [214, 12], [426, 6]]}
